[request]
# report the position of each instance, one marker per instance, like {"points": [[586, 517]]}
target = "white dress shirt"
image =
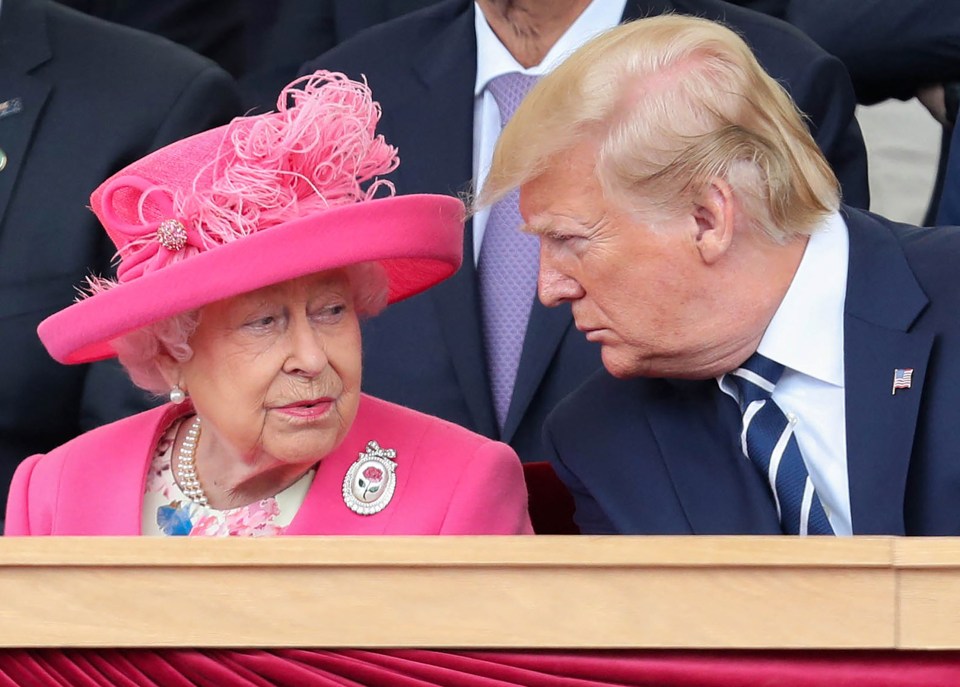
{"points": [[806, 337], [494, 60]]}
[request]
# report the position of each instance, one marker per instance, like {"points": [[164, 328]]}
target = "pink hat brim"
{"points": [[418, 239]]}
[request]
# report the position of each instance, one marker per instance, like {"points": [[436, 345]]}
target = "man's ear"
{"points": [[714, 215]]}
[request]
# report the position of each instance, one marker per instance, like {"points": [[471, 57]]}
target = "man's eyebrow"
{"points": [[536, 226]]}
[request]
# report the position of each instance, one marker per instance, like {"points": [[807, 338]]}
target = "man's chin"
{"points": [[626, 367], [622, 367]]}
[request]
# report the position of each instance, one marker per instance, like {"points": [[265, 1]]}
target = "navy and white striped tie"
{"points": [[768, 441]]}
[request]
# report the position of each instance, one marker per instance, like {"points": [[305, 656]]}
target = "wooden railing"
{"points": [[481, 592]]}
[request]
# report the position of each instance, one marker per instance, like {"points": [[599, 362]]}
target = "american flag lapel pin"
{"points": [[902, 379]]}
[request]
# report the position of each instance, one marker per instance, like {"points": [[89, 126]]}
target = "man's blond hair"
{"points": [[672, 102]]}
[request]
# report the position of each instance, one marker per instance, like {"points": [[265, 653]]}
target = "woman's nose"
{"points": [[307, 355]]}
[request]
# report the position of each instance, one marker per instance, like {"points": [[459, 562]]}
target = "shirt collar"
{"points": [[806, 332], [494, 60]]}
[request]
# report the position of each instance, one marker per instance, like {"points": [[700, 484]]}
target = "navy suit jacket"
{"points": [[949, 210], [283, 34], [84, 98], [890, 47], [427, 352], [659, 456]]}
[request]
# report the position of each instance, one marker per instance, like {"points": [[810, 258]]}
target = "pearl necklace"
{"points": [[187, 469]]}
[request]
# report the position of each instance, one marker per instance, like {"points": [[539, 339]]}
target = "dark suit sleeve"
{"points": [[588, 515]]}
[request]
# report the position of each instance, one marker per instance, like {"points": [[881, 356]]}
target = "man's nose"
{"points": [[555, 286]]}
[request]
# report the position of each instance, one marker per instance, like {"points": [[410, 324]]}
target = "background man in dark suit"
{"points": [[767, 350], [431, 72], [79, 99]]}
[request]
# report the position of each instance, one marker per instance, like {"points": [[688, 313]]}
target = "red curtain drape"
{"points": [[423, 668]]}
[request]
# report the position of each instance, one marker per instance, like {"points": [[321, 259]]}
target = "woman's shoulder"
{"points": [[88, 468], [91, 451], [414, 425]]}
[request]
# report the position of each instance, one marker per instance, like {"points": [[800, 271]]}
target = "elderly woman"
{"points": [[247, 256]]}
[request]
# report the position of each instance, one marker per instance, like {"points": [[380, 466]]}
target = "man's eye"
{"points": [[563, 238]]}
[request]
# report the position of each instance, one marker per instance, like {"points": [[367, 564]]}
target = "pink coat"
{"points": [[449, 480]]}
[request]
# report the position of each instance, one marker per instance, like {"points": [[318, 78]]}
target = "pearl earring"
{"points": [[177, 395]]}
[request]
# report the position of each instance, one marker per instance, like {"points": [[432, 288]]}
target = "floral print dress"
{"points": [[167, 511]]}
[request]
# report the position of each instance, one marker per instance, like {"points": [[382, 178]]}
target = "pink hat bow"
{"points": [[144, 225]]}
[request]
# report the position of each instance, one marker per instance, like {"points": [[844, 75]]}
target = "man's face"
{"points": [[638, 287]]}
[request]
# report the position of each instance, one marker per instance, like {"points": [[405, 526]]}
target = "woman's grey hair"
{"points": [[139, 351]]}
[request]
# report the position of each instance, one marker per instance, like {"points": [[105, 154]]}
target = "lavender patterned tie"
{"points": [[507, 268]]}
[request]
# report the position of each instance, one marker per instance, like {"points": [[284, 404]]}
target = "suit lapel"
{"points": [[696, 427], [883, 301], [439, 107], [18, 89], [545, 331]]}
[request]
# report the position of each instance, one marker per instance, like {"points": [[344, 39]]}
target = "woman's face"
{"points": [[275, 373]]}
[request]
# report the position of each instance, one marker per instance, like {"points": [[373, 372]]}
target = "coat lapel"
{"points": [[107, 484], [883, 301], [545, 331], [696, 427], [22, 96]]}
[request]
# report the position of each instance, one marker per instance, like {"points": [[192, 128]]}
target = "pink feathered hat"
{"points": [[257, 202]]}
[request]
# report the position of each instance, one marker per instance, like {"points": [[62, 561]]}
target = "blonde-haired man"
{"points": [[767, 350]]}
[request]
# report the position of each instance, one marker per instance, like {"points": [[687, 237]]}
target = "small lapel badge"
{"points": [[369, 483], [10, 107], [902, 379]]}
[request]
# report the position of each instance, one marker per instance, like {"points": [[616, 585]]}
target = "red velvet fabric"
{"points": [[424, 668], [551, 505]]}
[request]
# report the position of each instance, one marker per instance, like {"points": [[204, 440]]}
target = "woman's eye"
{"points": [[261, 322], [331, 313]]}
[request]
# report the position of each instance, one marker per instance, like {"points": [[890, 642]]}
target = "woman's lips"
{"points": [[311, 409]]}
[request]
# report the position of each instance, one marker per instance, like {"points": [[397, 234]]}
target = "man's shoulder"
{"points": [[604, 399], [75, 34], [394, 43], [930, 251]]}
